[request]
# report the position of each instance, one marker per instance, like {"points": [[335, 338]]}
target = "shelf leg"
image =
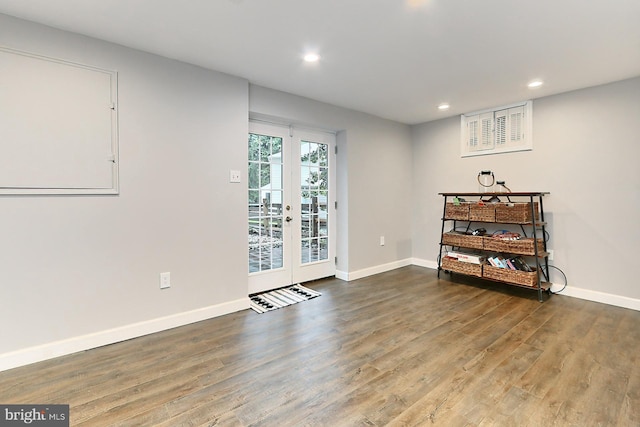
{"points": [[535, 244], [444, 210]]}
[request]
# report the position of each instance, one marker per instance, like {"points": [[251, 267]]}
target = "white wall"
{"points": [[374, 179], [84, 270], [586, 154]]}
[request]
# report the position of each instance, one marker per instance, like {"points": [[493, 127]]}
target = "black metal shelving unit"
{"points": [[537, 227]]}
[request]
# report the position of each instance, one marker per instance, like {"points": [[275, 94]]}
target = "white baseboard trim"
{"points": [[42, 352], [570, 291], [342, 275], [425, 263], [51, 350], [370, 271], [596, 296]]}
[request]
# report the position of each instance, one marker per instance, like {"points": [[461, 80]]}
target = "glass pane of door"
{"points": [[265, 203], [314, 191]]}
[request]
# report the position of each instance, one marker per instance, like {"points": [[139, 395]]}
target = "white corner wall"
{"points": [[585, 154], [82, 271]]}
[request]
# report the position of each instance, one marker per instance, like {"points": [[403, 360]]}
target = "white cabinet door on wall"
{"points": [[58, 126]]}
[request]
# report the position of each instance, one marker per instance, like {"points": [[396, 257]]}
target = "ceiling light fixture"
{"points": [[534, 84], [443, 107], [416, 3], [311, 57]]}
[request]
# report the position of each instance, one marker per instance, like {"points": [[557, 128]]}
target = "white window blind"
{"points": [[516, 125], [479, 134], [499, 130], [472, 137], [486, 124]]}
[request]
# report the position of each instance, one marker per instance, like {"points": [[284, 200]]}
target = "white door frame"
{"points": [[293, 270]]}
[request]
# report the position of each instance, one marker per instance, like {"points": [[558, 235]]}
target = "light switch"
{"points": [[234, 176], [165, 280]]}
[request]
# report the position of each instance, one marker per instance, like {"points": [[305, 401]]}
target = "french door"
{"points": [[291, 221]]}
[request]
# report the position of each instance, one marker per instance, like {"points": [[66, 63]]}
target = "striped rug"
{"points": [[273, 300]]}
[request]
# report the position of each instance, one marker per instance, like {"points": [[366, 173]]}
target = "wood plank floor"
{"points": [[400, 348]]}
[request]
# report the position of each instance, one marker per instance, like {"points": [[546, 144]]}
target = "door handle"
{"points": [[288, 219]]}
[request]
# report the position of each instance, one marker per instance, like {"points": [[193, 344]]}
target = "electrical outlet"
{"points": [[381, 240], [550, 256], [165, 280]]}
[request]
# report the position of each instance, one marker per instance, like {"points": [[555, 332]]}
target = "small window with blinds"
{"points": [[499, 130]]}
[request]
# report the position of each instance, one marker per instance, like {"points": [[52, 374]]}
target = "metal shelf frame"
{"points": [[542, 259]]}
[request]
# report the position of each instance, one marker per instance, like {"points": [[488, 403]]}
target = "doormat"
{"points": [[273, 300]]}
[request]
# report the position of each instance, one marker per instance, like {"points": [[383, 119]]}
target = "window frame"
{"points": [[515, 121]]}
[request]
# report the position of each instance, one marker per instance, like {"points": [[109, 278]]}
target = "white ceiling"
{"points": [[397, 59]]}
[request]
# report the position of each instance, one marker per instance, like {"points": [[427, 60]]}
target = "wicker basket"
{"points": [[451, 264], [485, 212], [462, 240], [516, 213], [524, 278], [520, 247], [457, 211]]}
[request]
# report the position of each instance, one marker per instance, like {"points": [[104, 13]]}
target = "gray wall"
{"points": [[374, 178], [83, 270], [82, 266], [585, 153], [74, 266]]}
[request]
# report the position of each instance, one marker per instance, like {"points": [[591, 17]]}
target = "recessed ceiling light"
{"points": [[534, 84], [443, 107], [311, 57]]}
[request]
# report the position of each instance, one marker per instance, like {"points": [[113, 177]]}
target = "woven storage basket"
{"points": [[459, 212], [524, 278], [517, 213], [456, 266], [462, 240], [521, 246], [485, 212]]}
